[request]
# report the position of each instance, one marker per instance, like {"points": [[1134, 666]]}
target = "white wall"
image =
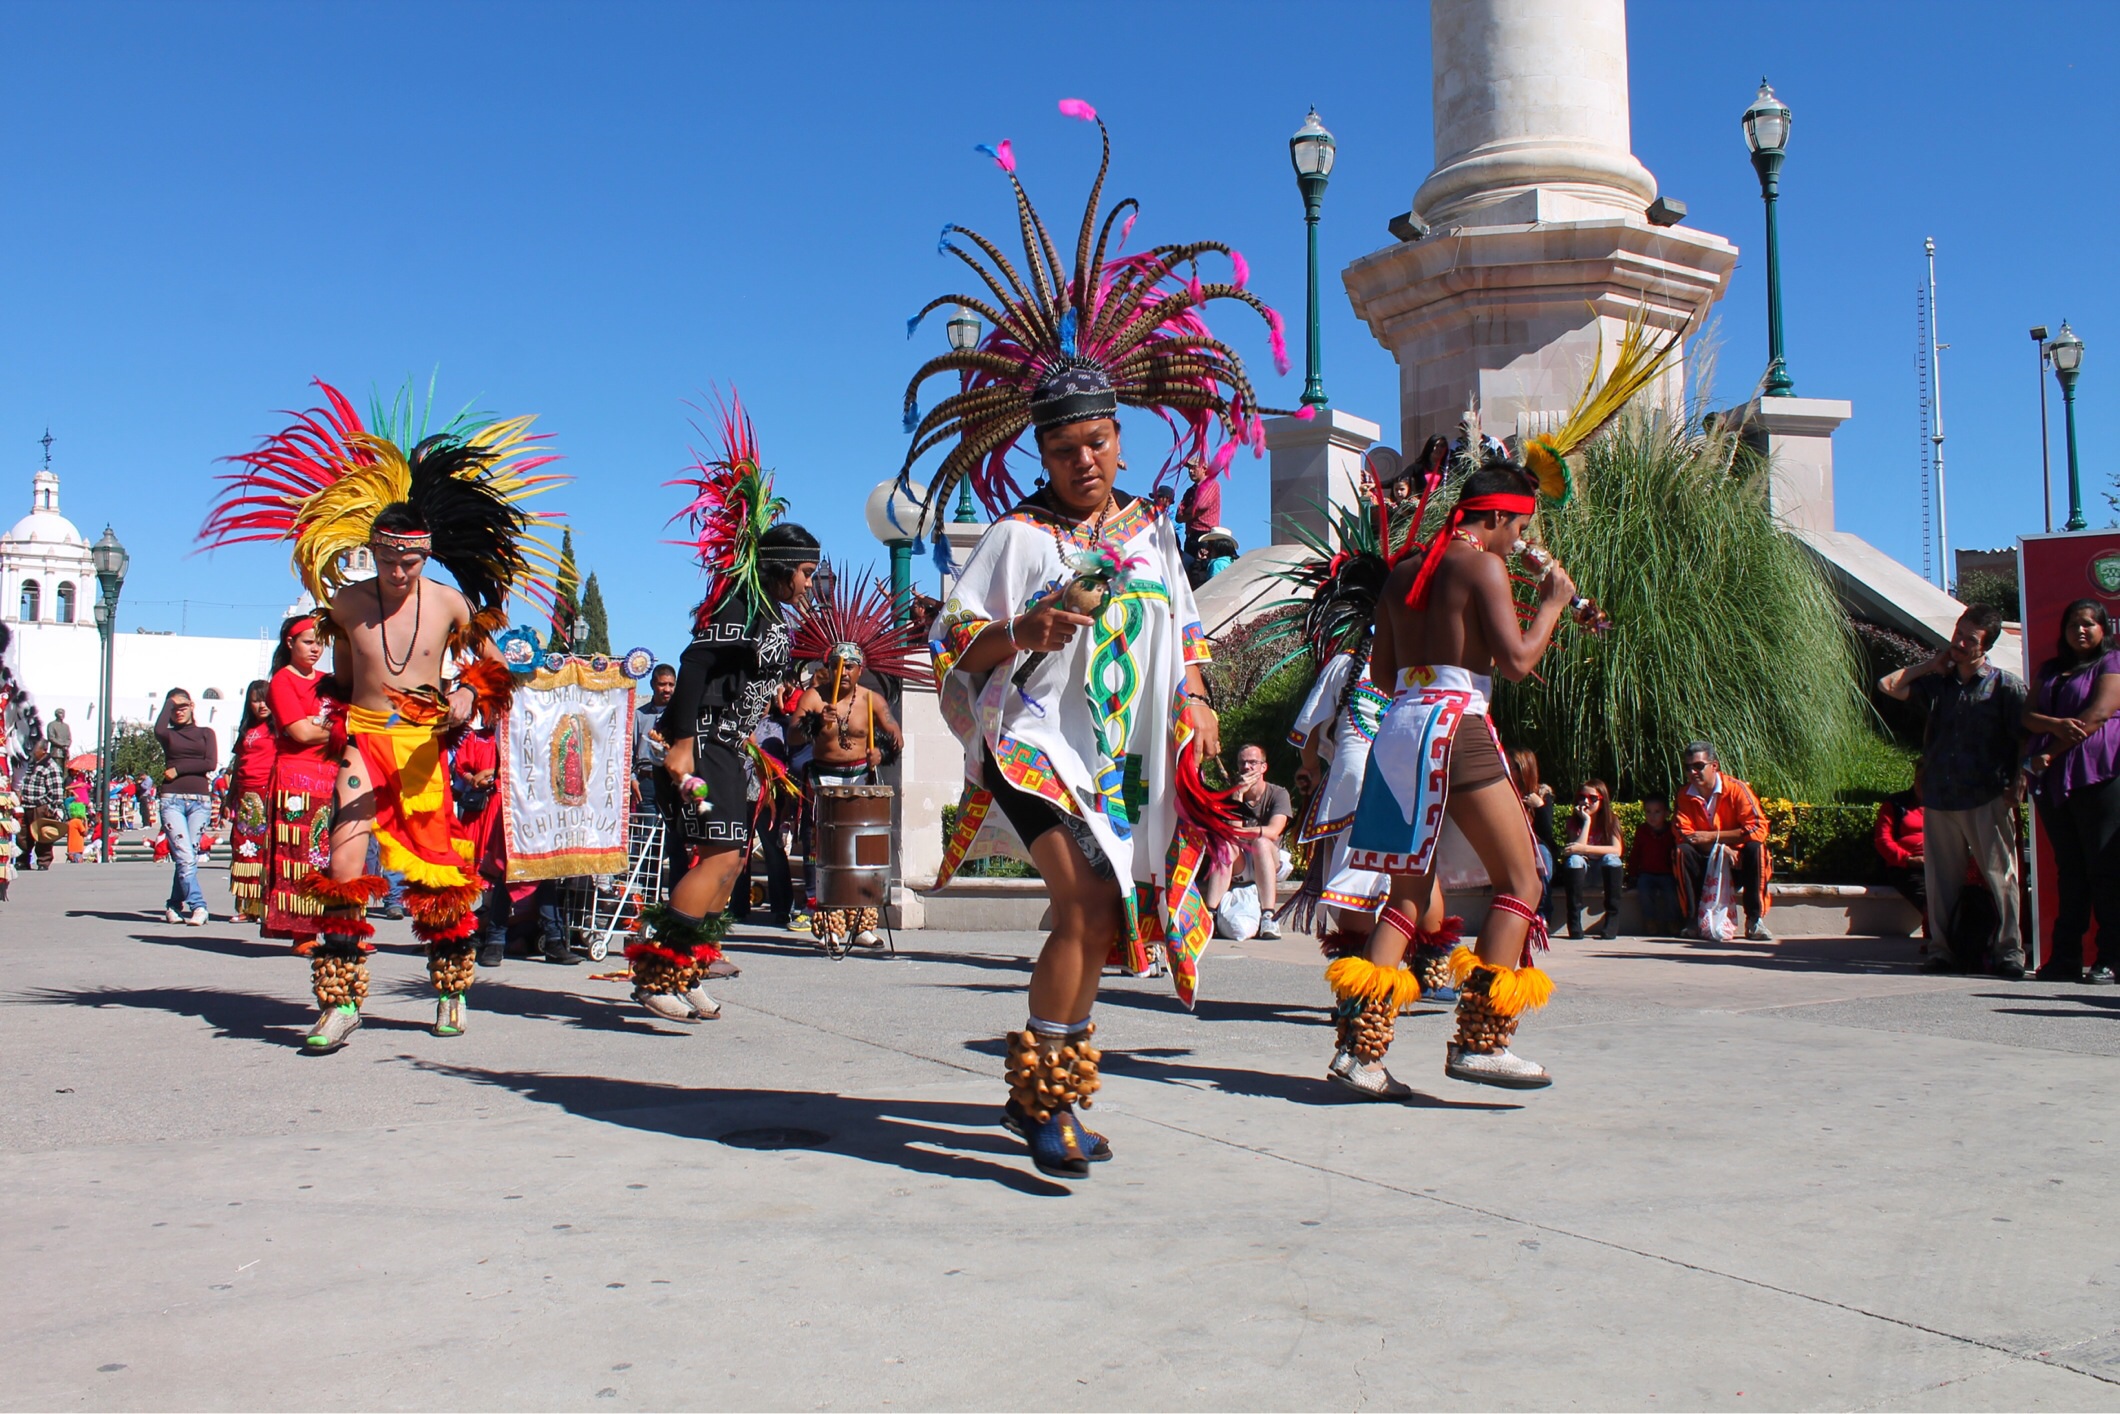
{"points": [[59, 667]]}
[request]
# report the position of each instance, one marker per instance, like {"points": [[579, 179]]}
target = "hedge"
{"points": [[1821, 843]]}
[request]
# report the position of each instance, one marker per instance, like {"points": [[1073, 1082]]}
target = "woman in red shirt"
{"points": [[249, 784], [304, 774]]}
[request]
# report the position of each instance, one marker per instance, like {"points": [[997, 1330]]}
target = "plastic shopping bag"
{"points": [[1237, 915], [1719, 904]]}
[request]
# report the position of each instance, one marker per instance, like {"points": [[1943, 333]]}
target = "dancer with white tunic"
{"points": [[1068, 654]]}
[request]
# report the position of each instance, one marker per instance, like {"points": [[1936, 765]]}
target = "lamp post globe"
{"points": [[111, 561], [2066, 354], [893, 514], [1312, 152], [965, 329], [1766, 125]]}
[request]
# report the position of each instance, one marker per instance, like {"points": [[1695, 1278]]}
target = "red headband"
{"points": [[1506, 502], [1501, 501], [298, 628]]}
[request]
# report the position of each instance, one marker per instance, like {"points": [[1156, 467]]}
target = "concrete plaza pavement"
{"points": [[1784, 1175]]}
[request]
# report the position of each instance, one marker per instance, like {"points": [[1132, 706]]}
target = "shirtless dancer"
{"points": [[328, 485], [396, 632], [1446, 622], [851, 733]]}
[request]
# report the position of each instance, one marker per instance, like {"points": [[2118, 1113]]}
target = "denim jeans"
{"points": [[1659, 900], [184, 819], [396, 897]]}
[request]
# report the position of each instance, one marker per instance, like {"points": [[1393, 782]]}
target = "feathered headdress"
{"points": [[321, 481], [732, 505], [1071, 345], [1338, 582], [858, 617], [1641, 358]]}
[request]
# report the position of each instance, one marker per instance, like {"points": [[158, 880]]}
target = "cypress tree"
{"points": [[595, 623]]}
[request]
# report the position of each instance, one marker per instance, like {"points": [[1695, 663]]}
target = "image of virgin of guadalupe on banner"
{"points": [[564, 772]]}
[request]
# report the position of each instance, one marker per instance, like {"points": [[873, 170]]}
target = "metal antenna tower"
{"points": [[1922, 446], [1943, 518]]}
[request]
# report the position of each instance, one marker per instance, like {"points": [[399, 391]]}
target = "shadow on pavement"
{"points": [[1208, 1009], [117, 915], [1857, 956], [617, 1013], [919, 1136], [989, 961], [243, 1016], [1162, 1065], [2099, 1005], [227, 947]]}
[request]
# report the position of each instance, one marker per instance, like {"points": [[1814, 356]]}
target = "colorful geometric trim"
{"points": [[1408, 837], [957, 632], [1196, 648], [1030, 770], [1191, 923], [971, 814]]}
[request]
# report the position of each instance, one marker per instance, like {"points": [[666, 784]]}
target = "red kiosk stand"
{"points": [[2053, 571]]}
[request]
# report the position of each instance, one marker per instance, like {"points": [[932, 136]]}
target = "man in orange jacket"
{"points": [[1719, 812]]}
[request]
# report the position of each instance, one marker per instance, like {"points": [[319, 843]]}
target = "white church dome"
{"points": [[44, 525]]}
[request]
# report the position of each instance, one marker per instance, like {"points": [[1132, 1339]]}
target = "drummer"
{"points": [[851, 733], [849, 726]]}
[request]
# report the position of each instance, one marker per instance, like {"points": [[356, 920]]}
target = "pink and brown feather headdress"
{"points": [[1131, 324]]}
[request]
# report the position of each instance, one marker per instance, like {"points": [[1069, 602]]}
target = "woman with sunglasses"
{"points": [[1593, 842], [190, 756]]}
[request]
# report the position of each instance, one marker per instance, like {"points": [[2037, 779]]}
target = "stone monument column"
{"points": [[1539, 246]]}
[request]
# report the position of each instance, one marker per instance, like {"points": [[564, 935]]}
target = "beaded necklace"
{"points": [[1074, 531], [382, 627]]}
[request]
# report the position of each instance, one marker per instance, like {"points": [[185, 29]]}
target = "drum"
{"points": [[853, 845]]}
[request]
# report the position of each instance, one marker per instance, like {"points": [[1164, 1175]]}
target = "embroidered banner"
{"points": [[565, 782]]}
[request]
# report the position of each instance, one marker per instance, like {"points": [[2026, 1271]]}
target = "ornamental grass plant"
{"points": [[1724, 628]]}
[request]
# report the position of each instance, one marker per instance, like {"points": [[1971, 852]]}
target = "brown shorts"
{"points": [[1474, 759]]}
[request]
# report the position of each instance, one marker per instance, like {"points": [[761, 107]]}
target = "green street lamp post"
{"points": [[964, 330], [111, 561], [1312, 151], [2067, 354], [1767, 134]]}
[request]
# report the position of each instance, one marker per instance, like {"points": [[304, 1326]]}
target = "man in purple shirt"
{"points": [[1200, 508]]}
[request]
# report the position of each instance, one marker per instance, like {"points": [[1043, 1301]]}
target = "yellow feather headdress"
{"points": [[1642, 357], [321, 482]]}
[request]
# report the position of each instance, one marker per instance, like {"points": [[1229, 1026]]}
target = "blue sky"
{"points": [[596, 213]]}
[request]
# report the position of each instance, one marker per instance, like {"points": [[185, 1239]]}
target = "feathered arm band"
{"points": [[493, 684]]}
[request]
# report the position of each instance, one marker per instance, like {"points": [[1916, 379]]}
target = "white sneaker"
{"points": [[1372, 1082], [199, 918], [1502, 1067], [170, 915], [1268, 928]]}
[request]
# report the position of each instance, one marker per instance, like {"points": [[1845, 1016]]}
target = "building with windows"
{"points": [[47, 600]]}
